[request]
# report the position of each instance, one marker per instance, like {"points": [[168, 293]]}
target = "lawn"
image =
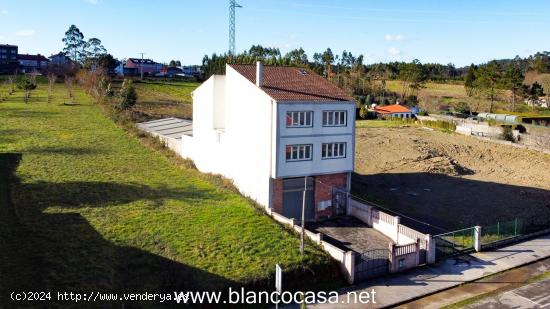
{"points": [[97, 210], [158, 99]]}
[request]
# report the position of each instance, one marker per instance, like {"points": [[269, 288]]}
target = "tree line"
{"points": [[368, 81]]}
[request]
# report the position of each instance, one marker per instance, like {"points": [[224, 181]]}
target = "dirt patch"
{"points": [[448, 179]]}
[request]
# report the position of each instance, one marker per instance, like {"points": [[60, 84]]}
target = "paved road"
{"points": [[505, 281], [534, 295]]}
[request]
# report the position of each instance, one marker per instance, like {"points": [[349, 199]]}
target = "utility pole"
{"points": [[141, 65], [232, 6], [303, 217]]}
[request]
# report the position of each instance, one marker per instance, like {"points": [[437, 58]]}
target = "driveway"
{"points": [[349, 233]]}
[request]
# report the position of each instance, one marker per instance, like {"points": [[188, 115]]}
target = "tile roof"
{"points": [[389, 109], [293, 84], [145, 61], [32, 57]]}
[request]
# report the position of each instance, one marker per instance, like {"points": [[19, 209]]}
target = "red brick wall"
{"points": [[323, 191], [277, 198]]}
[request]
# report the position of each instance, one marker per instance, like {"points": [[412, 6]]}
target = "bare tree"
{"points": [[69, 83], [52, 78]]}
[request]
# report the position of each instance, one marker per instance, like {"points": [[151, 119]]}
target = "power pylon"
{"points": [[232, 6]]}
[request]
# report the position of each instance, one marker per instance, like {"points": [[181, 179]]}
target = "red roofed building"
{"points": [[393, 111]]}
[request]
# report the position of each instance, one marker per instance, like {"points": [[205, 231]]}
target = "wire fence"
{"points": [[508, 230], [454, 242]]}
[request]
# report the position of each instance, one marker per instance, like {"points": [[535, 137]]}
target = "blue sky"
{"points": [[456, 31]]}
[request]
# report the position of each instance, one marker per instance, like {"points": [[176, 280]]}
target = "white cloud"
{"points": [[396, 37], [4, 12], [394, 51], [26, 32], [94, 2]]}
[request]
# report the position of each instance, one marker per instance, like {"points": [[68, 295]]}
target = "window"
{"points": [[334, 118], [298, 152], [334, 150], [299, 119]]}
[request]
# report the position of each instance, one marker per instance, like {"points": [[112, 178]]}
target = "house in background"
{"points": [[59, 59], [267, 129], [393, 111], [29, 63], [135, 66], [8, 58], [169, 71], [191, 70]]}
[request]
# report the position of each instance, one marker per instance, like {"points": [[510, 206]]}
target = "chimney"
{"points": [[259, 73]]}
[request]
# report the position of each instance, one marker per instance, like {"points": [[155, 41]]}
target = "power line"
{"points": [[141, 64]]}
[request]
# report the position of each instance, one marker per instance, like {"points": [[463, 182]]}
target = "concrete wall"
{"points": [[345, 258], [404, 257], [249, 130], [390, 226]]}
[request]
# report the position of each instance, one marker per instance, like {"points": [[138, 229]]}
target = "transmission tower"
{"points": [[232, 6]]}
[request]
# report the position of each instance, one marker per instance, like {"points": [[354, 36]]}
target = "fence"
{"points": [[513, 230], [345, 258], [454, 242], [391, 227], [404, 257]]}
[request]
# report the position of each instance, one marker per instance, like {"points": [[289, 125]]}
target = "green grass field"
{"points": [[98, 210], [158, 99]]}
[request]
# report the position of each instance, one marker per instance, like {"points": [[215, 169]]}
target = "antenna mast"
{"points": [[232, 6]]}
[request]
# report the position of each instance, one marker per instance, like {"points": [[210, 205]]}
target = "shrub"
{"points": [[363, 112], [27, 84], [507, 134], [127, 95], [109, 91]]}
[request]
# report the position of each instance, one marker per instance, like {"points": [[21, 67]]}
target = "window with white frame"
{"points": [[333, 150], [300, 119], [298, 152], [334, 118]]}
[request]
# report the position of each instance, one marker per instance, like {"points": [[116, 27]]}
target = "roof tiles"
{"points": [[293, 84]]}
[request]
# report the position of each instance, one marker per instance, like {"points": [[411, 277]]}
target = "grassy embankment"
{"points": [[98, 210], [158, 99]]}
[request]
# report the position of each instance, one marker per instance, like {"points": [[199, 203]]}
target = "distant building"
{"points": [[169, 71], [393, 111], [8, 58], [135, 66], [192, 70], [29, 63], [59, 59]]}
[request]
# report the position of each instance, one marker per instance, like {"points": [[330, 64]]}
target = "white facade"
{"points": [[240, 132]]}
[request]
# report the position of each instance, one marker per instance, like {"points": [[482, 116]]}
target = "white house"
{"points": [[393, 111], [267, 128]]}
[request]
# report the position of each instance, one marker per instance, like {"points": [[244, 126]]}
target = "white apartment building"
{"points": [[267, 128]]}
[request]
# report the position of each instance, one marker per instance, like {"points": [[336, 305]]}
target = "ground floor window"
{"points": [[298, 152], [334, 150]]}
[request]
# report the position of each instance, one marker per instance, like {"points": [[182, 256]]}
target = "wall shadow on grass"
{"points": [[77, 194], [451, 202], [63, 252]]}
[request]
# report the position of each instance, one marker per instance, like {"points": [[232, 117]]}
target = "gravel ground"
{"points": [[449, 180]]}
